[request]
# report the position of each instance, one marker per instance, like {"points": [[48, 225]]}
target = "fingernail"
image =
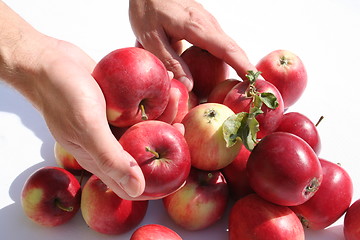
{"points": [[186, 81], [130, 185]]}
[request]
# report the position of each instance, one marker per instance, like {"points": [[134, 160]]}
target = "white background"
{"points": [[323, 33]]}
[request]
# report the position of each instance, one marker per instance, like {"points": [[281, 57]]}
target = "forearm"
{"points": [[20, 49]]}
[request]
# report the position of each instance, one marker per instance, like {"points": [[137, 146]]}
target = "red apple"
{"points": [[239, 101], [107, 213], [66, 160], [330, 202], [51, 196], [300, 125], [200, 202], [162, 154], [352, 221], [135, 85], [154, 232], [287, 72], [206, 70], [255, 218], [283, 169], [204, 134], [219, 92], [177, 106], [236, 175]]}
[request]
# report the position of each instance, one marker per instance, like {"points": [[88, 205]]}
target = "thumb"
{"points": [[162, 48], [118, 167]]}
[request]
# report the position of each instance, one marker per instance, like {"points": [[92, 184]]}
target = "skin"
{"points": [[49, 71], [159, 24]]}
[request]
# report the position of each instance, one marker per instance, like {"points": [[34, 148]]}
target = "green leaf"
{"points": [[252, 76], [231, 128], [269, 100], [241, 127]]}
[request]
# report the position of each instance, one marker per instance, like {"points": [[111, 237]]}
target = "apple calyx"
{"points": [[284, 61], [312, 187], [243, 126], [60, 206]]}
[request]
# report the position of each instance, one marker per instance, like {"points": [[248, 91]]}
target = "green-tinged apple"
{"points": [[252, 217], [135, 84], [162, 153], [219, 92], [287, 72], [154, 232], [178, 105], [66, 160], [201, 202], [51, 196], [204, 134], [206, 70], [236, 175], [107, 213]]}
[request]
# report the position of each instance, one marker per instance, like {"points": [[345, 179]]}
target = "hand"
{"points": [[158, 25], [56, 77]]}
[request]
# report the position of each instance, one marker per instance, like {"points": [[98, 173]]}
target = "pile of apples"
{"points": [[228, 142]]}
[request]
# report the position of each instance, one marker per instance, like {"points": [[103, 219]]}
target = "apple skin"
{"points": [[51, 196], [154, 232], [177, 106], [107, 213], [167, 172], [236, 175], [204, 135], [300, 125], [206, 70], [66, 160], [237, 101], [330, 202], [352, 222], [252, 217], [129, 79], [284, 169], [287, 72], [201, 202], [219, 92]]}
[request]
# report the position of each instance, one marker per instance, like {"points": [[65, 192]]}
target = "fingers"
{"points": [[158, 43], [117, 168]]}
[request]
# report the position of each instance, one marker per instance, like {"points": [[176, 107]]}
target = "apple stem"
{"points": [[143, 113], [318, 122], [66, 209], [148, 149]]}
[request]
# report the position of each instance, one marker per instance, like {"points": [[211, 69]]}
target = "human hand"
{"points": [[158, 25]]}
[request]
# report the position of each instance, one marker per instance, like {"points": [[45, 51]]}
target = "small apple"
{"points": [[162, 153], [200, 202], [330, 202], [287, 72], [219, 92], [51, 196], [252, 217], [236, 175], [107, 213], [135, 84], [204, 135], [300, 125], [154, 232], [66, 160], [177, 106], [206, 70], [352, 222], [241, 98]]}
